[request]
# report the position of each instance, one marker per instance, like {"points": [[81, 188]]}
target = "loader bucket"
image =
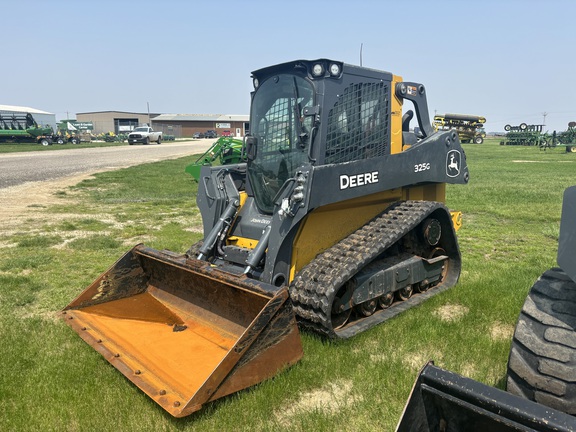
{"points": [[185, 333], [443, 401]]}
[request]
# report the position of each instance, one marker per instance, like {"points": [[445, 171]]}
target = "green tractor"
{"points": [[226, 150]]}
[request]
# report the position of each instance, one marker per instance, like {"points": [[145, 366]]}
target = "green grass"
{"points": [[51, 381]]}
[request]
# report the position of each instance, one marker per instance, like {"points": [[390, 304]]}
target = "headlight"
{"points": [[317, 70], [334, 69], [256, 83]]}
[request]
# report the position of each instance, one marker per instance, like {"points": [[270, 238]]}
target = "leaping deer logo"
{"points": [[453, 163]]}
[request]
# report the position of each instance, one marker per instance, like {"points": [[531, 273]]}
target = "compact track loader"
{"points": [[336, 221]]}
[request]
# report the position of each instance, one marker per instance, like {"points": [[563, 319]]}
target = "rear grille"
{"points": [[358, 124]]}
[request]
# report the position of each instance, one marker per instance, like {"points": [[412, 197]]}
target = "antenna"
{"points": [[361, 53], [149, 122]]}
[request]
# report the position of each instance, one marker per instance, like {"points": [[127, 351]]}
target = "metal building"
{"points": [[43, 118], [114, 121], [186, 125], [179, 125]]}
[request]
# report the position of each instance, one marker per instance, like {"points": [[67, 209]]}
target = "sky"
{"points": [[510, 61]]}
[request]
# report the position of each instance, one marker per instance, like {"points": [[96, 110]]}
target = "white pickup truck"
{"points": [[144, 135]]}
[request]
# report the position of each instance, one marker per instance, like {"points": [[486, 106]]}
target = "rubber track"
{"points": [[313, 289], [542, 362]]}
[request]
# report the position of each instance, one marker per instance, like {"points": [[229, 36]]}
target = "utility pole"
{"points": [[544, 114]]}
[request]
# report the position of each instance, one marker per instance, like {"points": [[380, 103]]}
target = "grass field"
{"points": [[52, 381]]}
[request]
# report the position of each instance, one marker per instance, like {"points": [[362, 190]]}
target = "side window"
{"points": [[358, 124], [273, 127]]}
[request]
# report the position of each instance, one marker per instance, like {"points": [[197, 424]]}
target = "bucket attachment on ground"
{"points": [[443, 401], [184, 332]]}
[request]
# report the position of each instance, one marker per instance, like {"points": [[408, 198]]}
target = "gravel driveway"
{"points": [[20, 168], [29, 181]]}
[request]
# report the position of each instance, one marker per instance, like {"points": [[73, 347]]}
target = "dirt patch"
{"points": [[500, 331], [329, 399], [415, 361], [30, 199], [451, 312], [28, 203], [469, 370]]}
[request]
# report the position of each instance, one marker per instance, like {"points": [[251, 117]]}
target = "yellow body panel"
{"points": [[456, 219], [327, 225], [242, 242], [431, 192], [395, 118]]}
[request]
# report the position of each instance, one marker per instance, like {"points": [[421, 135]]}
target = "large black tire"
{"points": [[542, 362]]}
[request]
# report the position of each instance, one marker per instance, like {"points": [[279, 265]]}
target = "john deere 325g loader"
{"points": [[336, 221]]}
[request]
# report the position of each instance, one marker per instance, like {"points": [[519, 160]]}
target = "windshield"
{"points": [[141, 129], [281, 133]]}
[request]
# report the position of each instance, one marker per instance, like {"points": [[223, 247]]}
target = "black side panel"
{"points": [[567, 241], [213, 195], [438, 159]]}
